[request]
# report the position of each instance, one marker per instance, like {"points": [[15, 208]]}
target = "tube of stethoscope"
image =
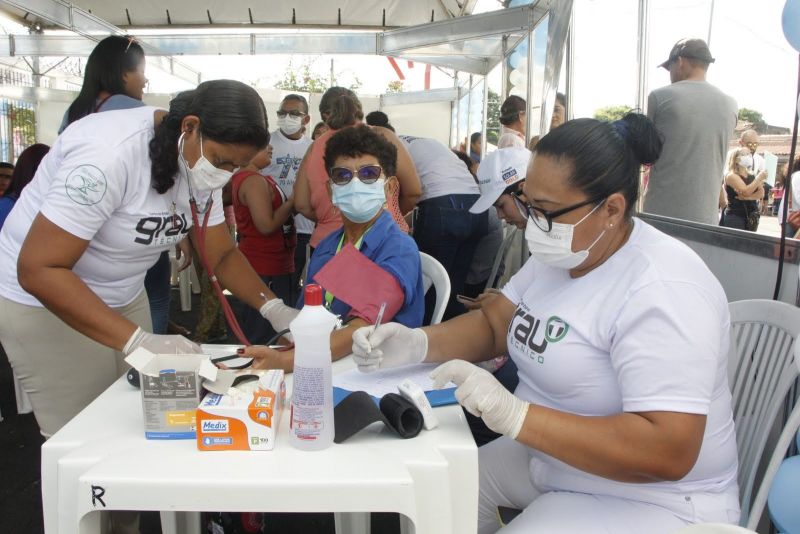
{"points": [[201, 245]]}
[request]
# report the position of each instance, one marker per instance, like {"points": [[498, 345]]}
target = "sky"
{"points": [[754, 62]]}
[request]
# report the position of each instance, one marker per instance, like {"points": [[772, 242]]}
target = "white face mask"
{"points": [[290, 125], [203, 176], [746, 161], [554, 248]]}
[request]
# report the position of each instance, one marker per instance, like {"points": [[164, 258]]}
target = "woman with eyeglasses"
{"points": [[622, 420], [113, 193], [340, 108], [373, 261]]}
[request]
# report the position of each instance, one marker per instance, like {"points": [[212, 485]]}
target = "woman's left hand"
{"points": [[482, 395], [183, 250], [267, 358]]}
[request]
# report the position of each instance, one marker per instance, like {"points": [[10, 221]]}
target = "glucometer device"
{"points": [[413, 393]]}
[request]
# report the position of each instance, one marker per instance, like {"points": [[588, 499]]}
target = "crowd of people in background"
{"points": [[302, 204]]}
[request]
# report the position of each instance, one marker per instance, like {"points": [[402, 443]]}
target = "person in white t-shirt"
{"points": [[512, 120], [289, 146], [111, 195], [444, 226], [622, 418]]}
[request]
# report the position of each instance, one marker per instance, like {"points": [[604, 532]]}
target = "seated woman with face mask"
{"points": [[367, 262], [622, 416]]}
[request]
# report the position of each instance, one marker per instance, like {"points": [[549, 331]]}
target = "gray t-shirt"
{"points": [[697, 121]]}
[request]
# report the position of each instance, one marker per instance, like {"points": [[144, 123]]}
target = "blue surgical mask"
{"points": [[357, 201]]}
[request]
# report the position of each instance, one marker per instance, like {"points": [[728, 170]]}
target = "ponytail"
{"points": [[340, 107]]}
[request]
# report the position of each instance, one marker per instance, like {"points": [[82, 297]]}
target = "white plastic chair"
{"points": [[764, 363], [713, 528], [434, 273]]}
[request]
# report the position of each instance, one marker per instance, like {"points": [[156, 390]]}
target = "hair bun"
{"points": [[641, 136]]}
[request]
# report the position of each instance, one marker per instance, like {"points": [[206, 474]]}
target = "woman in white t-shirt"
{"points": [[112, 194], [622, 418]]}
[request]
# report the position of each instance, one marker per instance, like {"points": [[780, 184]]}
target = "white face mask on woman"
{"points": [[746, 161], [554, 248], [203, 176]]}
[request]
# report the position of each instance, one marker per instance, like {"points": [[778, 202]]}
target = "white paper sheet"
{"points": [[771, 166], [385, 381]]}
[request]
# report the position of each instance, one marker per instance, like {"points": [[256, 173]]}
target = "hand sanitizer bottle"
{"points": [[311, 418]]}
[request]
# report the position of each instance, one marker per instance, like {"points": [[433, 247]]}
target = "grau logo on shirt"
{"points": [[531, 336], [161, 230], [86, 185]]}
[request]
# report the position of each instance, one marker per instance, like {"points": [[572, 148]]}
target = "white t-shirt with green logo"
{"points": [[95, 184], [648, 330]]}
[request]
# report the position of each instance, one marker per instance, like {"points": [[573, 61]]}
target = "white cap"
{"points": [[498, 170]]}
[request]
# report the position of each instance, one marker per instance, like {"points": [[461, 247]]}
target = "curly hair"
{"points": [[229, 112], [358, 141]]}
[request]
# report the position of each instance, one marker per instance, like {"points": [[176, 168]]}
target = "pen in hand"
{"points": [[378, 320]]}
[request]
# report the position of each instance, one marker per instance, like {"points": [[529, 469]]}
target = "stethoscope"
{"points": [[230, 318]]}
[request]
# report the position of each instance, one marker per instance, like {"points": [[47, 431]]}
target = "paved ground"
{"points": [[20, 491]]}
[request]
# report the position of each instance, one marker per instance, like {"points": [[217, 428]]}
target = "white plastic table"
{"points": [[101, 461]]}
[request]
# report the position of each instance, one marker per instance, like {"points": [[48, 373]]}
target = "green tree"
{"points": [[612, 113], [755, 118], [304, 79], [395, 86], [492, 117]]}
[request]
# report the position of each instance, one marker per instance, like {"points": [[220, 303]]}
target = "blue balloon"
{"points": [[791, 23]]}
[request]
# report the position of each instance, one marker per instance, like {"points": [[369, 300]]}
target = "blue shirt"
{"points": [[112, 103], [6, 203], [393, 251]]}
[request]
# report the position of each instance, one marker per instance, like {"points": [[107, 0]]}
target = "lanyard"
{"points": [[328, 295]]}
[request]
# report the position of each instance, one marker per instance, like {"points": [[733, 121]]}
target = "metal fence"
{"points": [[17, 128]]}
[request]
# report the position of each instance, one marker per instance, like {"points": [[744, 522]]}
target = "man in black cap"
{"points": [[697, 121]]}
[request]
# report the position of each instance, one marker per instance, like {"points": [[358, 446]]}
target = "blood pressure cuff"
{"points": [[358, 410], [362, 284]]}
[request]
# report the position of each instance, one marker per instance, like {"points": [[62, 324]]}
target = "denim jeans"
{"points": [[446, 230], [156, 283], [256, 329]]}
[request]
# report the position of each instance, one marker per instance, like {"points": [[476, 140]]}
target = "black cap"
{"points": [[689, 48]]}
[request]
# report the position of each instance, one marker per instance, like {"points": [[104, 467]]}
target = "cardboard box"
{"points": [[245, 412], [171, 387]]}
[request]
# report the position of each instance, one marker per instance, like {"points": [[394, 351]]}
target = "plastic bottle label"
{"points": [[308, 399]]}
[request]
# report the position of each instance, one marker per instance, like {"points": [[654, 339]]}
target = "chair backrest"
{"points": [[434, 273], [761, 371]]}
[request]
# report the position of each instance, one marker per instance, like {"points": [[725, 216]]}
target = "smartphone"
{"points": [[465, 298]]}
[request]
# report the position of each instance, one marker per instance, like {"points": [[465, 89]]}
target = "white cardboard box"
{"points": [[245, 417], [171, 387]]}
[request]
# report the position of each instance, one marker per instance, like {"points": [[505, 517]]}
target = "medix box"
{"points": [[246, 417], [171, 387]]}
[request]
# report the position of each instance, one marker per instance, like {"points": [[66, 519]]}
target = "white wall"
{"points": [[431, 120]]}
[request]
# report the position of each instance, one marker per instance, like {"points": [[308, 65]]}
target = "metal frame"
{"points": [[446, 94], [91, 27], [473, 43], [643, 42]]}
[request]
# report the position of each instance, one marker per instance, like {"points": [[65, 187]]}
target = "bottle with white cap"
{"points": [[311, 418]]}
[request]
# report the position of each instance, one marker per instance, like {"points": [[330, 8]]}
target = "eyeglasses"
{"points": [[293, 113], [368, 174], [752, 145], [543, 218]]}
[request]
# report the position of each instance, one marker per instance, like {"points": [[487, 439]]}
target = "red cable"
{"points": [[201, 245]]}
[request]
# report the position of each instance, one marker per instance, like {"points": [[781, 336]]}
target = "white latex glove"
{"points": [[391, 345], [161, 344], [278, 314], [480, 393]]}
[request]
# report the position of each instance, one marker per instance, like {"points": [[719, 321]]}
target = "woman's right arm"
{"points": [[44, 269], [742, 189], [256, 194], [302, 189], [475, 336]]}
